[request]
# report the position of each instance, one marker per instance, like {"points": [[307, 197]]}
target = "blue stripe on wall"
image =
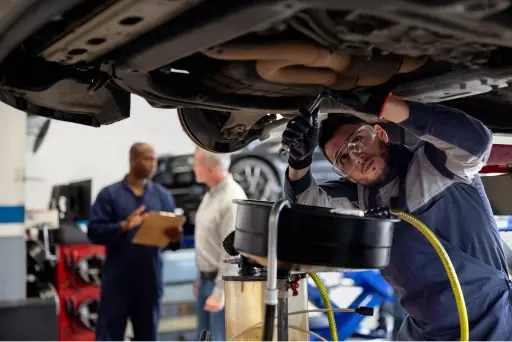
{"points": [[12, 214]]}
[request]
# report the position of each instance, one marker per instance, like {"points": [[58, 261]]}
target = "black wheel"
{"points": [[204, 127], [87, 313], [258, 179]]}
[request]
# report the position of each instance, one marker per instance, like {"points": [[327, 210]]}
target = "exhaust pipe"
{"points": [[303, 63]]}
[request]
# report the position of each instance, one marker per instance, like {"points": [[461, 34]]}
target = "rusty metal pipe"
{"points": [[303, 63], [292, 52], [279, 71]]}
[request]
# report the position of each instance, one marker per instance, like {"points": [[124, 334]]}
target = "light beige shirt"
{"points": [[215, 219]]}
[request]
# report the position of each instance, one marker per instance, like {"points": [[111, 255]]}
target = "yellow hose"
{"points": [[327, 304], [448, 267]]}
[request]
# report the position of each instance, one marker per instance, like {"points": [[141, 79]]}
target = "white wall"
{"points": [[73, 152]]}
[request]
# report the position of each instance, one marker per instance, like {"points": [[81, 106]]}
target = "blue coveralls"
{"points": [[437, 181], [131, 285]]}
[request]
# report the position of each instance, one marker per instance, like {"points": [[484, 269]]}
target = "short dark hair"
{"points": [[137, 148], [330, 125]]}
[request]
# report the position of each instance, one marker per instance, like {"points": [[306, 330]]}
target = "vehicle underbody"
{"points": [[231, 66]]}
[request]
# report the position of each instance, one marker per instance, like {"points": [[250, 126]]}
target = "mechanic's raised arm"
{"points": [[457, 142], [301, 136]]}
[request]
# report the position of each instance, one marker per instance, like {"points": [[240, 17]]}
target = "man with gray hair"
{"points": [[215, 219]]}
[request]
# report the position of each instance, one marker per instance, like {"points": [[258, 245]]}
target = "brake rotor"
{"points": [[204, 126]]}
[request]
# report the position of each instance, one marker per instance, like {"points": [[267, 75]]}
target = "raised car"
{"points": [[236, 69]]}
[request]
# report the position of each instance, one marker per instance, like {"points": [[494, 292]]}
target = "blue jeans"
{"points": [[213, 321]]}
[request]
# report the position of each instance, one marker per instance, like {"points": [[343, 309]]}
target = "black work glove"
{"points": [[364, 103], [301, 135]]}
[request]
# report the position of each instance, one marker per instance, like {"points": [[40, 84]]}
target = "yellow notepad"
{"points": [[153, 231]]}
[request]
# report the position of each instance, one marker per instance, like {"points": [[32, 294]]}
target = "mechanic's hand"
{"points": [[364, 103], [301, 135], [134, 219], [213, 304]]}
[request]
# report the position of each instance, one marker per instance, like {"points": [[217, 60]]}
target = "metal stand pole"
{"points": [[271, 293], [282, 310], [272, 250]]}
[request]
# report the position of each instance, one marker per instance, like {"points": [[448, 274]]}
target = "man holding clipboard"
{"points": [[133, 219]]}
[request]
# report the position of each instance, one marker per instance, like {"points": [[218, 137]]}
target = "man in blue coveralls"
{"points": [[437, 181], [131, 285]]}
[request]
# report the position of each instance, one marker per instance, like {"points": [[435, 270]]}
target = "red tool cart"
{"points": [[78, 280], [78, 266]]}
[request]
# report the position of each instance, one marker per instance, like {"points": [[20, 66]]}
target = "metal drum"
{"points": [[313, 238], [245, 306]]}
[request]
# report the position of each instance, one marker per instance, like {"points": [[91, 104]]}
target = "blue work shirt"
{"points": [[128, 264], [438, 182]]}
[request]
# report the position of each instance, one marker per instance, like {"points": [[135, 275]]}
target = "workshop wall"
{"points": [[12, 244], [73, 152]]}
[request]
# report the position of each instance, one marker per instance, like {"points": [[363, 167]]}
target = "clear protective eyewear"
{"points": [[352, 152]]}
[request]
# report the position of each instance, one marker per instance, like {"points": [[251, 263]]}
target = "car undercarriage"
{"points": [[236, 69]]}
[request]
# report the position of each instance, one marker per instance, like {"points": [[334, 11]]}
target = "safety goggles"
{"points": [[352, 152]]}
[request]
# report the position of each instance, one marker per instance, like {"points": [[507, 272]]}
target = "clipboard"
{"points": [[153, 230]]}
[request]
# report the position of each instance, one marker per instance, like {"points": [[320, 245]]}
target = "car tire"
{"points": [[258, 178]]}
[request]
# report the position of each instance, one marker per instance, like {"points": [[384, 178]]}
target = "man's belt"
{"points": [[208, 275]]}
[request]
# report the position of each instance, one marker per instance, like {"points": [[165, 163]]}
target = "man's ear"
{"points": [[381, 133]]}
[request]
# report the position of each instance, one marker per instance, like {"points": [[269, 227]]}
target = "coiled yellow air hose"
{"points": [[327, 304], [448, 267]]}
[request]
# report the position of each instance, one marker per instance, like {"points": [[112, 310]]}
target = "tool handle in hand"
{"points": [[284, 150], [312, 112]]}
